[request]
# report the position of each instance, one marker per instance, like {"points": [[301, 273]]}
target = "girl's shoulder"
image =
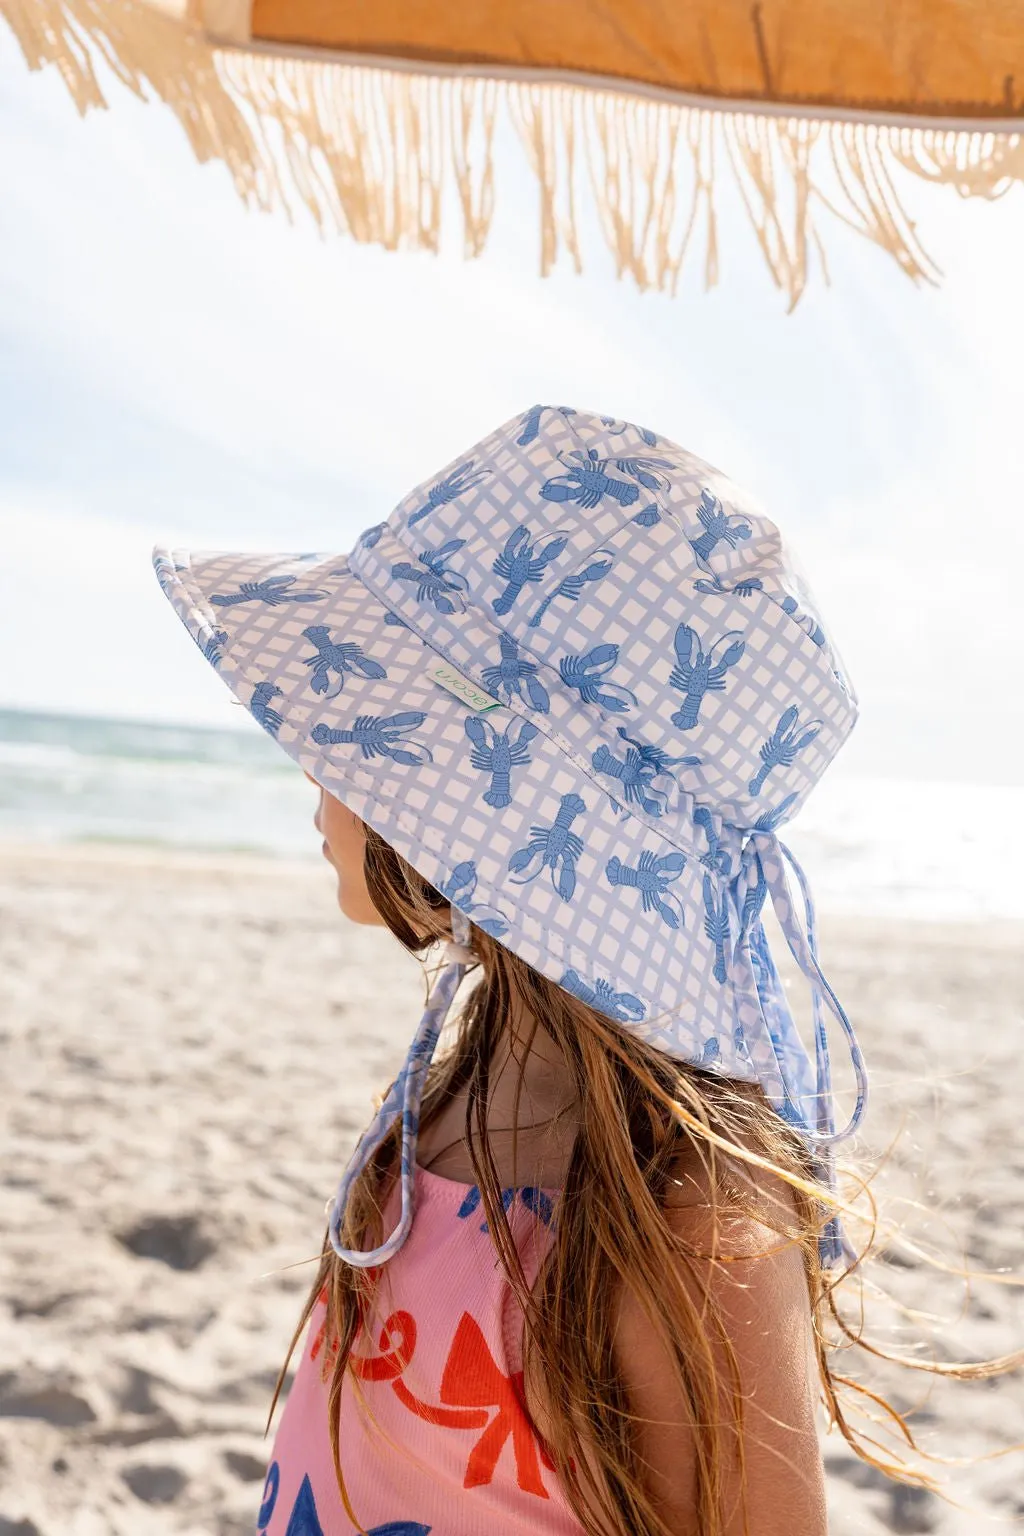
{"points": [[743, 1286], [744, 1207]]}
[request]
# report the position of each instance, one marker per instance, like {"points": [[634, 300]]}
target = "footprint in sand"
{"points": [[182, 1242], [30, 1396], [155, 1484]]}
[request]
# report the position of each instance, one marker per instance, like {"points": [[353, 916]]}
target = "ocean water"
{"points": [[869, 846]]}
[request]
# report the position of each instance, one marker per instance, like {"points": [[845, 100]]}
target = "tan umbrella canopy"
{"points": [[367, 114]]}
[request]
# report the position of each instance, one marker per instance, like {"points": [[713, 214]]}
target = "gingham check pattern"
{"points": [[558, 534]]}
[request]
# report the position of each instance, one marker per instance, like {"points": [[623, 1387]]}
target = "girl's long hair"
{"points": [[641, 1115]]}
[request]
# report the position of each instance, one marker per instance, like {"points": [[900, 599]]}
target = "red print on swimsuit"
{"points": [[471, 1386]]}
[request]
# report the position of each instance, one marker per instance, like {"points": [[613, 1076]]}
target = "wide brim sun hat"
{"points": [[577, 681]]}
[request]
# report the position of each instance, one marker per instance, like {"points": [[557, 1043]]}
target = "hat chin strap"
{"points": [[403, 1102], [763, 874]]}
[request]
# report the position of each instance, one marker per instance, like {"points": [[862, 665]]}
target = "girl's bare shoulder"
{"points": [[742, 1285]]}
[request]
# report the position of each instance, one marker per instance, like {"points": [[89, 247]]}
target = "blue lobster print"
{"points": [[530, 425], [775, 815], [782, 746], [273, 590], [698, 672], [263, 711], [376, 737], [716, 858], [716, 924], [513, 674], [461, 479], [166, 570], [711, 1052], [746, 587], [617, 427], [806, 621], [497, 754], [521, 562], [587, 482], [434, 582], [587, 675], [643, 471], [367, 540], [342, 657], [720, 527], [556, 848], [652, 877], [638, 771], [646, 517], [754, 899], [459, 889], [602, 996], [213, 646], [571, 586]]}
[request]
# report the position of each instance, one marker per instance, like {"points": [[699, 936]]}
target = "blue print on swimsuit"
{"points": [[304, 1520], [538, 1201], [661, 695]]}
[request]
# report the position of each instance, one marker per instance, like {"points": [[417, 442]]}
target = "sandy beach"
{"points": [[190, 1046]]}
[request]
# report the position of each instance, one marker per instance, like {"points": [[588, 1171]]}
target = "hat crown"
{"points": [[593, 572]]}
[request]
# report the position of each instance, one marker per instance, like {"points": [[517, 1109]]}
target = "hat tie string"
{"points": [[762, 876], [403, 1102]]}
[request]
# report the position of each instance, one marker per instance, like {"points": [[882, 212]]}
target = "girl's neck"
{"points": [[531, 1115], [528, 1063]]}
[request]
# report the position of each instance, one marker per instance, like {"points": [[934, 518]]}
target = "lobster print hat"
{"points": [[576, 682]]}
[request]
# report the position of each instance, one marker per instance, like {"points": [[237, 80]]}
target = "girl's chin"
{"points": [[355, 906]]}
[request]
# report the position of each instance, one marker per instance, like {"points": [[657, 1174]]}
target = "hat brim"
{"points": [[354, 705]]}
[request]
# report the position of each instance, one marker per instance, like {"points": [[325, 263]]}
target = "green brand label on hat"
{"points": [[470, 695]]}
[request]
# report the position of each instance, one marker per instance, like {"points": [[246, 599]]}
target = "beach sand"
{"points": [[190, 1046]]}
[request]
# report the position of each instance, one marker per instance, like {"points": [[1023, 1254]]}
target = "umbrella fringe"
{"points": [[375, 153]]}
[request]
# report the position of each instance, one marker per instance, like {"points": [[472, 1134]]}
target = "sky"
{"points": [[175, 368]]}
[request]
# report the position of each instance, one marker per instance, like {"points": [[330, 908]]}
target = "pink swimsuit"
{"points": [[442, 1442]]}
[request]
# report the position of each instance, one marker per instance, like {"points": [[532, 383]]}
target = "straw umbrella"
{"points": [[379, 118]]}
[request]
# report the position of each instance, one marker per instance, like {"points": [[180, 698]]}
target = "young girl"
{"points": [[556, 707]]}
